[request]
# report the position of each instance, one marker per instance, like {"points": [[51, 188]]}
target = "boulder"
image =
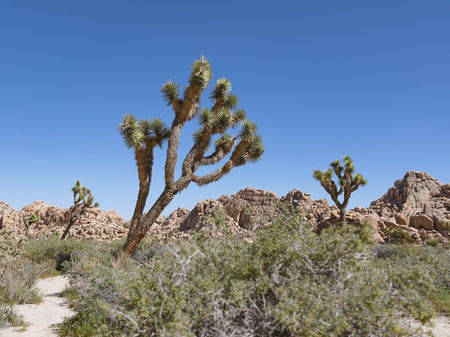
{"points": [[315, 211], [422, 221], [204, 214], [401, 219], [250, 206]]}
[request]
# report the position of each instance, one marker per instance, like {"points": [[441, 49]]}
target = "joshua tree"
{"points": [[82, 200], [32, 220], [142, 136], [348, 183], [214, 124]]}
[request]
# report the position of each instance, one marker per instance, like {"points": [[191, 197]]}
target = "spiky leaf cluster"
{"points": [[131, 131], [135, 133], [201, 73], [170, 92], [225, 143]]}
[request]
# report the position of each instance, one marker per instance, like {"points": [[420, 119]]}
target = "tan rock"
{"points": [[251, 205], [401, 219], [204, 214], [422, 221]]}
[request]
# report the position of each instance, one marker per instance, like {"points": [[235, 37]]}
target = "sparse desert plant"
{"points": [[348, 182], [214, 124], [33, 219], [82, 201]]}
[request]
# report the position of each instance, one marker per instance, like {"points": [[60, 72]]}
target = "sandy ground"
{"points": [[441, 326], [42, 316]]}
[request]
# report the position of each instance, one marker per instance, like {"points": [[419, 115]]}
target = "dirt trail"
{"points": [[42, 316]]}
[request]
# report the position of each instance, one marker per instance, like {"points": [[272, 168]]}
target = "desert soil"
{"points": [[41, 316]]}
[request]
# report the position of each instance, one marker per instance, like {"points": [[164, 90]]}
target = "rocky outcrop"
{"points": [[250, 206], [95, 224], [416, 193], [415, 209], [417, 202], [315, 211]]}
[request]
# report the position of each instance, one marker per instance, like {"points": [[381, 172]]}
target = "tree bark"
{"points": [[69, 226], [144, 162], [343, 215], [136, 235]]}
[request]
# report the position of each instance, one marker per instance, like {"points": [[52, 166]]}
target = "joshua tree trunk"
{"points": [[138, 233], [342, 214], [144, 161], [69, 226]]}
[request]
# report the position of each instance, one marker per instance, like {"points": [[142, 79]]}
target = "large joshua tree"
{"points": [[348, 183], [214, 123]]}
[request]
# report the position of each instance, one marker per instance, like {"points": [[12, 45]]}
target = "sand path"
{"points": [[41, 316]]}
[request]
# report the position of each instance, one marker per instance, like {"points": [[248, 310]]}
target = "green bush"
{"points": [[432, 262], [288, 282]]}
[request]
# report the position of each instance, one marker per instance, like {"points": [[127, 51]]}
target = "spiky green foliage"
{"points": [[347, 182], [82, 201], [248, 130], [225, 142], [131, 131], [170, 92], [215, 123], [201, 73], [240, 115]]}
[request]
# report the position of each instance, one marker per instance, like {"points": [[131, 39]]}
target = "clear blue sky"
{"points": [[321, 79]]}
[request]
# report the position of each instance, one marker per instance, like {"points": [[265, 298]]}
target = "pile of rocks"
{"points": [[416, 208], [95, 224]]}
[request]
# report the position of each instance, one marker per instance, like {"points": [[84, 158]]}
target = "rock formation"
{"points": [[415, 209], [95, 224]]}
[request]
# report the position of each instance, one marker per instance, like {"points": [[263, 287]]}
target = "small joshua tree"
{"points": [[30, 221], [82, 200], [214, 124], [348, 183]]}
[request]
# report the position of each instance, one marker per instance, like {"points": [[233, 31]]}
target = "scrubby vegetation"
{"points": [[288, 281], [17, 277]]}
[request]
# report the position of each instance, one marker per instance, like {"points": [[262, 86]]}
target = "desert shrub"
{"points": [[17, 278], [288, 282], [58, 253], [432, 263]]}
